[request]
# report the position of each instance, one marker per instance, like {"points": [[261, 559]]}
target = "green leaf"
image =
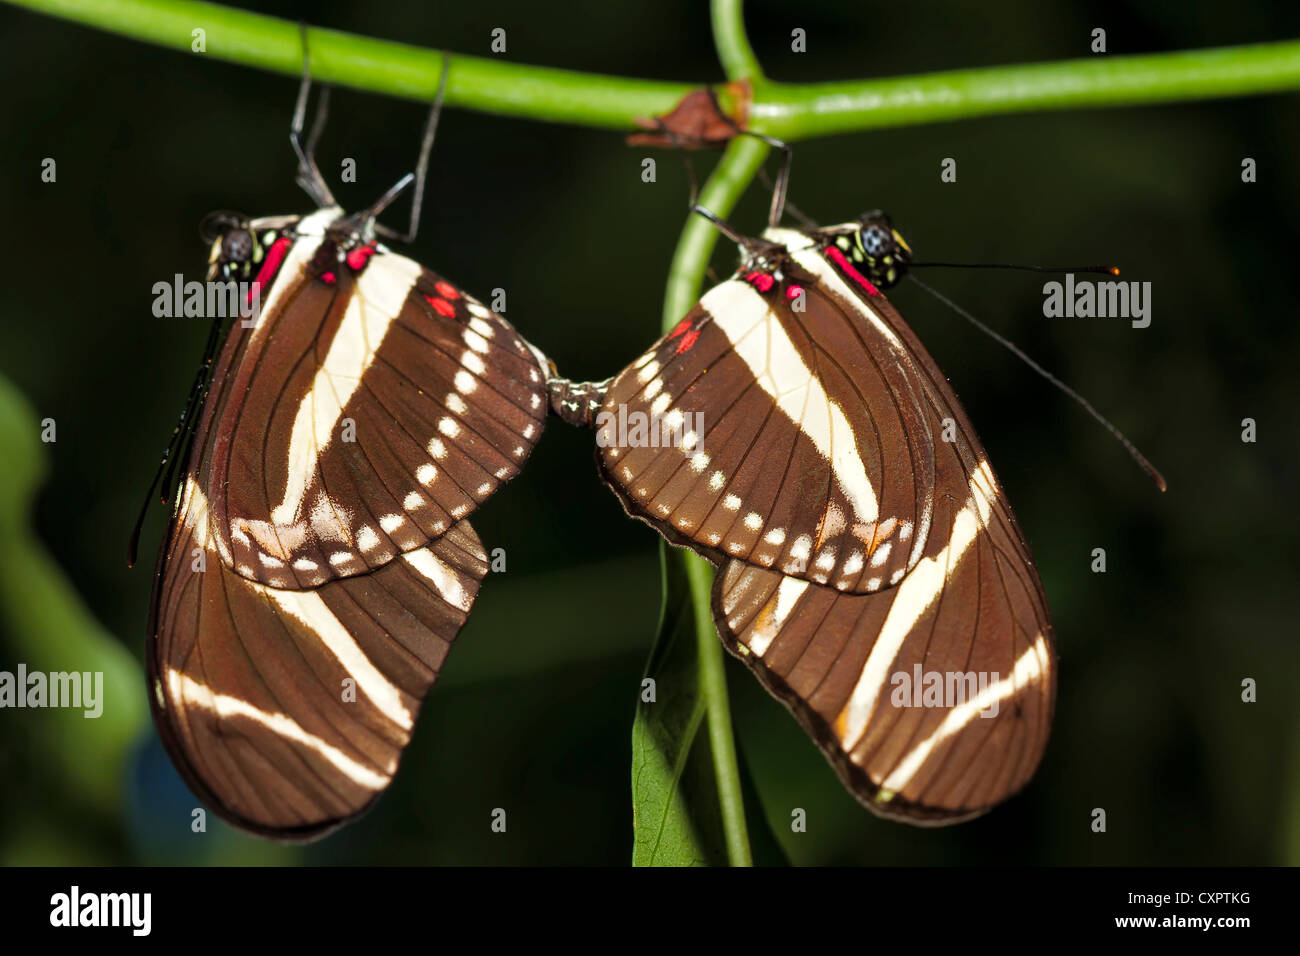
{"points": [[680, 816], [676, 818]]}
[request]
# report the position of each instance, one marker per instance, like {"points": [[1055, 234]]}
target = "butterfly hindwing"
{"points": [[288, 710], [933, 698]]}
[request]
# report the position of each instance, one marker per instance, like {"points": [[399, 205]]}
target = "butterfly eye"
{"points": [[875, 241], [237, 245]]}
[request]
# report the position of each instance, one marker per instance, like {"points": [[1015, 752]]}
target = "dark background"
{"points": [[534, 710]]}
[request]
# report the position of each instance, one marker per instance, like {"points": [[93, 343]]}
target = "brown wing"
{"points": [[369, 410], [932, 699], [813, 457], [287, 711]]}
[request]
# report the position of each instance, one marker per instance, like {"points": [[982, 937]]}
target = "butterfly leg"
{"points": [[757, 251], [309, 175], [779, 204], [422, 164]]}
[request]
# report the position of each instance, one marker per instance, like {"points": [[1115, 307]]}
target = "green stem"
{"points": [[486, 84], [822, 109], [791, 112], [734, 52], [713, 691], [740, 162]]}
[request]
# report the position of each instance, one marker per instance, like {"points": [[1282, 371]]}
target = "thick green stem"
{"points": [[822, 109], [734, 52], [791, 112], [485, 84]]}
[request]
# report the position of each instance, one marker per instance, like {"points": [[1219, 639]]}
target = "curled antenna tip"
{"points": [[1113, 270]]}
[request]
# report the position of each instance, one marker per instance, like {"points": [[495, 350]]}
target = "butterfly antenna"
{"points": [[1083, 402], [1099, 270], [133, 545], [176, 443], [724, 227], [384, 201]]}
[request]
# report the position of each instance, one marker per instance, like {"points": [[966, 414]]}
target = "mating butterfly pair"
{"points": [[319, 560]]}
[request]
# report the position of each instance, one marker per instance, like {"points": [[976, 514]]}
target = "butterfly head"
{"points": [[235, 247], [878, 250]]}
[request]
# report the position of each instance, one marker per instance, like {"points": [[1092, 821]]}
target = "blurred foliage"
{"points": [[78, 762], [534, 709]]}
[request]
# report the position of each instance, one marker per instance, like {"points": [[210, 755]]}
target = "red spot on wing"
{"points": [[688, 340], [359, 256], [270, 265], [328, 278], [447, 290], [793, 292], [761, 281], [441, 306], [847, 268], [680, 328]]}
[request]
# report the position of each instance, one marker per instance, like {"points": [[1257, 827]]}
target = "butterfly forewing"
{"points": [[371, 407], [813, 455]]}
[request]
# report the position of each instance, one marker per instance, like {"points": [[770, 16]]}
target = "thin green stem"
{"points": [[713, 690], [734, 52], [734, 172], [822, 109], [485, 84], [740, 163], [791, 112]]}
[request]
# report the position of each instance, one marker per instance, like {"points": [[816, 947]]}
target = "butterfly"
{"points": [[794, 431], [319, 563]]}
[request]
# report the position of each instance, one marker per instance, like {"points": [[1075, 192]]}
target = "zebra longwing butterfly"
{"points": [[820, 459], [318, 563]]}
